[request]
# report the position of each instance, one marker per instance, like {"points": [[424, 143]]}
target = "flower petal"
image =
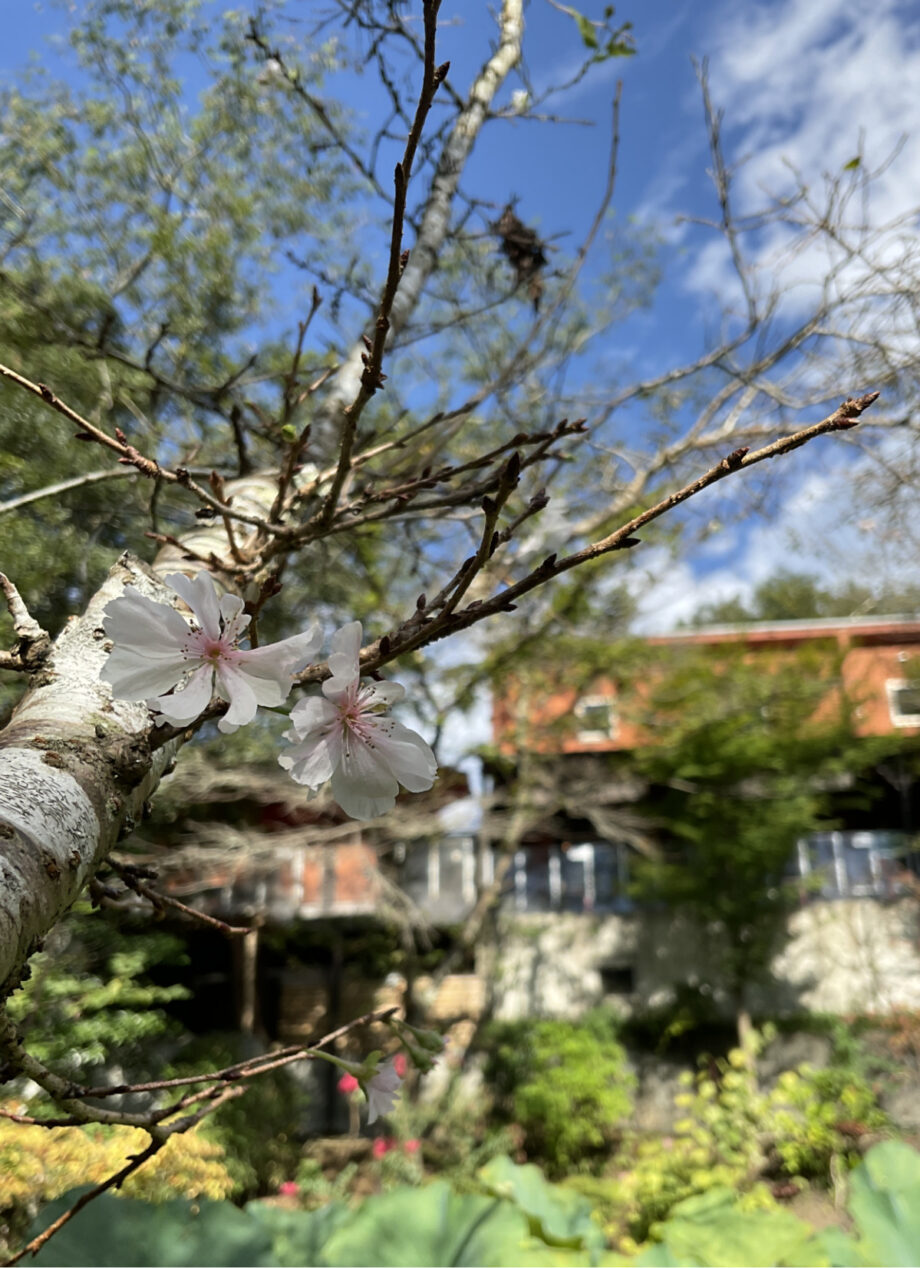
{"points": [[186, 705], [382, 1091], [135, 676], [234, 686], [312, 715], [231, 613], [134, 621], [314, 762], [344, 657], [384, 694], [201, 596], [282, 660], [408, 757], [362, 784]]}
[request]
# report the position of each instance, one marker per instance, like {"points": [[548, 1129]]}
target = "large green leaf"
{"points": [[559, 1217], [710, 1230], [114, 1231], [885, 1204], [298, 1237], [431, 1225]]}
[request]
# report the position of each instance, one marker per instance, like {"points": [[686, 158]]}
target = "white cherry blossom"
{"points": [[344, 737], [155, 648], [382, 1091]]}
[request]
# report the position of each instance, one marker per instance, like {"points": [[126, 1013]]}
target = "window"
{"points": [[596, 717], [855, 864], [583, 877], [903, 701]]}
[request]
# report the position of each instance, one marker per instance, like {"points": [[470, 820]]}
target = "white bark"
{"points": [[435, 223], [75, 768]]}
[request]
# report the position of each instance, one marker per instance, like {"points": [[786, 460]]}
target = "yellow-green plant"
{"points": [[733, 1134], [40, 1163]]}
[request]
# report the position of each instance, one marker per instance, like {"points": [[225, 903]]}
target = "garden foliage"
{"points": [[516, 1218]]}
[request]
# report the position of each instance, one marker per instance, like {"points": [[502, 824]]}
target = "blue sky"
{"points": [[803, 83]]}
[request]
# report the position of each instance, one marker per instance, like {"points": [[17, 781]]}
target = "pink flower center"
{"points": [[210, 650]]}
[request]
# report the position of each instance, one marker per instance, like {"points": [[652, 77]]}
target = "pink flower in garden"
{"points": [[382, 1091], [382, 1146], [411, 1146], [347, 1084], [289, 1189], [345, 737], [155, 648]]}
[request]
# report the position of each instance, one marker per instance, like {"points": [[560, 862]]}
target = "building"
{"points": [[565, 929]]}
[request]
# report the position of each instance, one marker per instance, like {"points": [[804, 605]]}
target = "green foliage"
{"points": [[427, 1226], [299, 1236], [884, 1205], [566, 1083], [559, 1217], [791, 596], [115, 1231], [528, 1222], [713, 1229], [733, 1133], [816, 1114], [737, 758], [90, 1000], [257, 1132], [600, 37]]}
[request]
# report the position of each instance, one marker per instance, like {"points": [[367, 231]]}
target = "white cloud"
{"points": [[805, 86], [832, 525]]}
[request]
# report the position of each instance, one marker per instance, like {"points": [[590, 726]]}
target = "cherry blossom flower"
{"points": [[344, 738], [382, 1091], [155, 648]]}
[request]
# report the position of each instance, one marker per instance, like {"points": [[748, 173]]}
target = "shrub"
{"points": [[734, 1135], [567, 1085]]}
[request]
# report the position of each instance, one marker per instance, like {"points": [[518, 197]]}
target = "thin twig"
{"points": [[130, 456], [137, 885], [372, 378]]}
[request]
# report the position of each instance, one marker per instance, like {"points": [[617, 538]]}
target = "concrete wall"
{"points": [[846, 956]]}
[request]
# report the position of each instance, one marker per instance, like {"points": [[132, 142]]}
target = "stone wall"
{"points": [[846, 956]]}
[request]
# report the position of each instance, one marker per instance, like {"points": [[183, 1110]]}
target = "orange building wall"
{"points": [[873, 654]]}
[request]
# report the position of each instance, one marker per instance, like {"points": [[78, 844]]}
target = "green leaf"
{"points": [[560, 1217], [711, 1230], [408, 1227], [885, 1204], [853, 164], [586, 29], [112, 1231], [298, 1237]]}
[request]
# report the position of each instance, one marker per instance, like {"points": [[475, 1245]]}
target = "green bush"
{"points": [[735, 1135], [567, 1085], [818, 1117]]}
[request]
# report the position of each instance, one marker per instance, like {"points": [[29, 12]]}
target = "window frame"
{"points": [[893, 686], [588, 735]]}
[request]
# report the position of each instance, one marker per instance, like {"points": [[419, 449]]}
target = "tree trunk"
{"points": [[75, 772]]}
